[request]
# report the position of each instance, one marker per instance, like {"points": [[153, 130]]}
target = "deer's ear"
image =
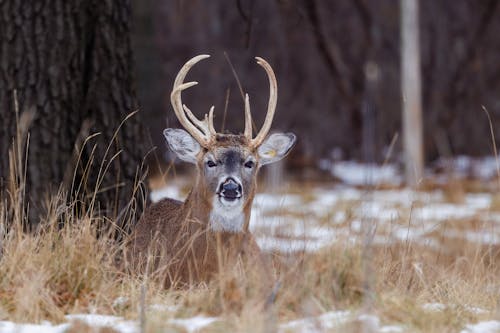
{"points": [[275, 147], [182, 144]]}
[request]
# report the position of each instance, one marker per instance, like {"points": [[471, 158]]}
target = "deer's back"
{"points": [[156, 229], [165, 241], [158, 221]]}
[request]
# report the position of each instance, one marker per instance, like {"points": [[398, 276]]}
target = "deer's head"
{"points": [[227, 163]]}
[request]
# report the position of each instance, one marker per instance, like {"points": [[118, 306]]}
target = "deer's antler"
{"points": [[202, 131], [271, 108]]}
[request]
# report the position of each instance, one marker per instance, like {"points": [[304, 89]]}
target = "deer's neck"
{"points": [[219, 218], [229, 221]]}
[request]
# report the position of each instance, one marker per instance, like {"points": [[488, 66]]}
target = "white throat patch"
{"points": [[226, 218]]}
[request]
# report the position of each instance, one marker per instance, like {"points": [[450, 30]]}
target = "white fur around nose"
{"points": [[229, 218]]}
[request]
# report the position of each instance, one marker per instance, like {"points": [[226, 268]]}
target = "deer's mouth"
{"points": [[229, 191], [229, 201]]}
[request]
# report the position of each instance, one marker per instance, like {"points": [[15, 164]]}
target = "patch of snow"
{"points": [[414, 232], [442, 307], [96, 320], [356, 225], [193, 324], [302, 243], [404, 197], [270, 201], [163, 307], [93, 320], [259, 220], [475, 310], [339, 217], [478, 200], [346, 211], [443, 211], [481, 237], [332, 320], [484, 168], [310, 231], [171, 191], [377, 210], [284, 245], [434, 307], [492, 326], [326, 198], [10, 327], [354, 173], [370, 322], [318, 324]]}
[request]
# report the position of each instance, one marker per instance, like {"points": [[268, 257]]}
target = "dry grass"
{"points": [[71, 269], [57, 270]]}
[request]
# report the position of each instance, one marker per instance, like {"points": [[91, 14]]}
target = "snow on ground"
{"points": [[484, 168], [354, 173], [336, 319], [492, 326], [315, 217], [10, 327], [324, 322], [319, 216], [119, 324], [170, 191], [357, 174], [194, 324], [436, 307]]}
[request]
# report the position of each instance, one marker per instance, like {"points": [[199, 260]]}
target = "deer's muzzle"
{"points": [[230, 189]]}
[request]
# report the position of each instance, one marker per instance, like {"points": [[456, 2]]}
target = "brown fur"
{"points": [[172, 242]]}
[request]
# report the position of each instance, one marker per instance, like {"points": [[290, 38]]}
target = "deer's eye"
{"points": [[211, 164], [249, 164]]}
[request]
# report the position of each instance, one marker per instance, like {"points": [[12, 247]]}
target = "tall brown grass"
{"points": [[59, 270], [70, 267]]}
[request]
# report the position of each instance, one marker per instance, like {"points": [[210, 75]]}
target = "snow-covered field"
{"points": [[313, 217], [322, 323], [306, 218]]}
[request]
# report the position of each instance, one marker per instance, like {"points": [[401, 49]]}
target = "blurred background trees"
{"points": [[320, 50]]}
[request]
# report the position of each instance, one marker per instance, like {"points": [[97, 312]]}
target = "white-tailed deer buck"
{"points": [[185, 241]]}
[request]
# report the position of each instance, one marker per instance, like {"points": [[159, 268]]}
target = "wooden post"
{"points": [[411, 92]]}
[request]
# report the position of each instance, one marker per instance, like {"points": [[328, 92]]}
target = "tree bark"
{"points": [[71, 65]]}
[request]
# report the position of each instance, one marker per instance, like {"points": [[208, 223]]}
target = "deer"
{"points": [[184, 242]]}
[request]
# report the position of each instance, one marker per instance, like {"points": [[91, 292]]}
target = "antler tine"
{"points": [[198, 123], [211, 127], [202, 133], [207, 125], [248, 119], [271, 107]]}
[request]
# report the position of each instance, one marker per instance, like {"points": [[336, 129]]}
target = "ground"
{"points": [[359, 253]]}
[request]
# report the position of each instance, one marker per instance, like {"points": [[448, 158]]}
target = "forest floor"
{"points": [[348, 257]]}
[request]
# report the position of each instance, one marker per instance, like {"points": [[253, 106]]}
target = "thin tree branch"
{"points": [[330, 52]]}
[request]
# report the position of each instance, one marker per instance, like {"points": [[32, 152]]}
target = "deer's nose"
{"points": [[230, 189]]}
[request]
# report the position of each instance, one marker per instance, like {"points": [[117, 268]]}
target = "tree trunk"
{"points": [[411, 90], [71, 65]]}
